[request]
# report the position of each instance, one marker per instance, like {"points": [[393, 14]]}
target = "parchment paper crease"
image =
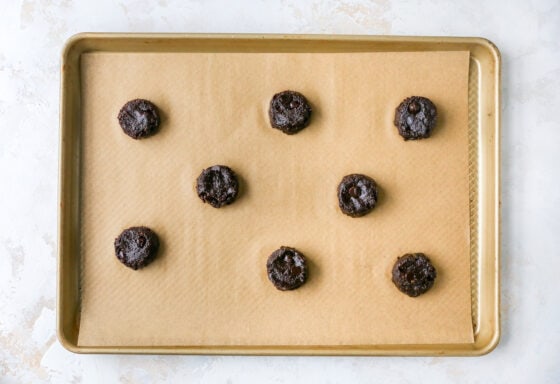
{"points": [[209, 285]]}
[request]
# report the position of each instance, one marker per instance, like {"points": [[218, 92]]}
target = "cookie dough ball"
{"points": [[217, 186], [415, 118], [136, 247], [286, 268], [289, 112], [357, 195], [139, 118], [414, 274]]}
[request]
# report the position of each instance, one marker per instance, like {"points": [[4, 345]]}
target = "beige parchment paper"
{"points": [[209, 284]]}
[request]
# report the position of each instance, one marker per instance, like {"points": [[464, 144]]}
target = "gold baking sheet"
{"points": [[188, 299]]}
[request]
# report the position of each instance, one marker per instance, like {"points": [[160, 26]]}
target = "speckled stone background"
{"points": [[32, 33]]}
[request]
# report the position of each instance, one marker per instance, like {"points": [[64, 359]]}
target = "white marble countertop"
{"points": [[32, 33]]}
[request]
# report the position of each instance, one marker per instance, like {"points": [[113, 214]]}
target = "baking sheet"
{"points": [[209, 285]]}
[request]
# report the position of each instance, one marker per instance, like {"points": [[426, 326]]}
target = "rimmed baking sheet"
{"points": [[215, 313]]}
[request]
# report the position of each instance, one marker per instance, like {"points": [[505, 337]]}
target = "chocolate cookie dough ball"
{"points": [[286, 269], [139, 118], [136, 247], [217, 186], [289, 112], [415, 118], [414, 274], [357, 195]]}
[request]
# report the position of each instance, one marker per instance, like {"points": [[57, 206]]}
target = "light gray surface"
{"points": [[32, 33]]}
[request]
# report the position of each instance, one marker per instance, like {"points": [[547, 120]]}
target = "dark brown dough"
{"points": [[139, 118], [286, 268], [415, 118], [217, 186], [289, 112], [414, 274], [357, 195], [136, 247]]}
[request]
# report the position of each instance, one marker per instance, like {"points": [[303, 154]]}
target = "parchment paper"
{"points": [[209, 284]]}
